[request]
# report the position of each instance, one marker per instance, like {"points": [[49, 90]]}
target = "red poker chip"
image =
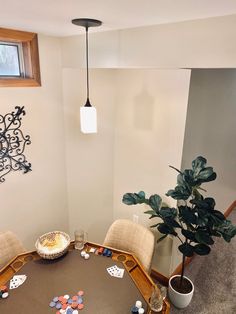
{"points": [[80, 306], [64, 306], [81, 292], [61, 298], [74, 305]]}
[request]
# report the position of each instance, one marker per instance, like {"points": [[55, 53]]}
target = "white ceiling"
{"points": [[53, 17]]}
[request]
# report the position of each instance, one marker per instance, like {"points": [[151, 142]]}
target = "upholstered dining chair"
{"points": [[131, 237], [10, 246]]}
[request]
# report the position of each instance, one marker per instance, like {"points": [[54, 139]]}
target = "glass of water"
{"points": [[80, 239], [156, 300]]}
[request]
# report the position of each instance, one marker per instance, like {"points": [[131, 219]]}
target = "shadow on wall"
{"points": [[144, 111]]}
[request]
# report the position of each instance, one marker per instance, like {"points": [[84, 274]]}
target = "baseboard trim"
{"points": [[159, 277]]}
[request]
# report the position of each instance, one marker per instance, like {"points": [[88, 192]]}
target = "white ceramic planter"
{"points": [[180, 300]]}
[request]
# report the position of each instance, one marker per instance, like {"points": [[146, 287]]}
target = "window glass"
{"points": [[9, 60]]}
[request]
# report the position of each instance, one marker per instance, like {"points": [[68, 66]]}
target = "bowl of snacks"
{"points": [[53, 244]]}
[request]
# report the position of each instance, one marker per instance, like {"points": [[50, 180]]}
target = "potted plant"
{"points": [[194, 221]]}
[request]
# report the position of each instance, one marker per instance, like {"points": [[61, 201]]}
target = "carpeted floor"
{"points": [[214, 278]]}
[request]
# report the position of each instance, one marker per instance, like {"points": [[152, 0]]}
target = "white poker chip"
{"points": [[62, 311], [83, 253], [86, 256], [66, 296], [138, 304], [75, 312], [5, 295], [141, 311]]}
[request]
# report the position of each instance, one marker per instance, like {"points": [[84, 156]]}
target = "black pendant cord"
{"points": [[85, 22], [87, 70]]}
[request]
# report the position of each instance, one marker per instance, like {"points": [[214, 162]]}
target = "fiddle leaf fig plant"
{"points": [[194, 221]]}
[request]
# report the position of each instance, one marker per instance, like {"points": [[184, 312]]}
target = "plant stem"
{"points": [[182, 271]]}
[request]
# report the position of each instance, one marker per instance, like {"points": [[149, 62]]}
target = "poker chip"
{"points": [[68, 305], [52, 304], [141, 311], [80, 306], [83, 253], [80, 293], [138, 304], [134, 310], [5, 295], [80, 300], [58, 305]]}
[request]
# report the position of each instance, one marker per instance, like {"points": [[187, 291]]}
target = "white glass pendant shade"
{"points": [[88, 119]]}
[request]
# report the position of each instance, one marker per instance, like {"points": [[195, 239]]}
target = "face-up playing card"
{"points": [[17, 280], [115, 271]]}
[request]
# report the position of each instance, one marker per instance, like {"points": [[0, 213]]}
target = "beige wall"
{"points": [[36, 202], [206, 43], [89, 157], [211, 129], [150, 121]]}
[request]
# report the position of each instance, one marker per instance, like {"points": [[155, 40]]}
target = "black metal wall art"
{"points": [[12, 144]]}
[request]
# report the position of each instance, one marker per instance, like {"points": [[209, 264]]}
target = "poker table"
{"points": [[103, 294]]}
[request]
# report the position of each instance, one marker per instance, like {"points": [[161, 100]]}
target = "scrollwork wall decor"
{"points": [[12, 144]]}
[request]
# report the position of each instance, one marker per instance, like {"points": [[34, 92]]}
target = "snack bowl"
{"points": [[53, 244]]}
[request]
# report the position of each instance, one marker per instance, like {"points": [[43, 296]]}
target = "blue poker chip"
{"points": [[70, 301], [55, 299], [80, 300], [58, 305], [69, 311], [52, 304], [134, 310]]}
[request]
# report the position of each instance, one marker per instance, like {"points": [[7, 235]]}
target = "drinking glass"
{"points": [[156, 300], [80, 239]]}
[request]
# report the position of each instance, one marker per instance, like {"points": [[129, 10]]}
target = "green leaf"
{"points": [[133, 198], [166, 229], [141, 194], [162, 238], [202, 236], [188, 234], [227, 230], [186, 249], [155, 202], [168, 212], [187, 215], [207, 203], [171, 222], [198, 164], [179, 193], [202, 249], [206, 175], [129, 199]]}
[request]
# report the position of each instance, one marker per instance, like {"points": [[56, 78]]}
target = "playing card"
{"points": [[14, 283], [112, 270], [17, 280], [115, 271], [119, 273]]}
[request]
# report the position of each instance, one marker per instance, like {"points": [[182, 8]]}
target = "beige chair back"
{"points": [[10, 246], [128, 236]]}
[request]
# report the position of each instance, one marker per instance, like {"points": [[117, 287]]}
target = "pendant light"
{"points": [[88, 114]]}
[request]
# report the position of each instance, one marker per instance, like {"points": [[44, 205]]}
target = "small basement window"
{"points": [[19, 58], [11, 62]]}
